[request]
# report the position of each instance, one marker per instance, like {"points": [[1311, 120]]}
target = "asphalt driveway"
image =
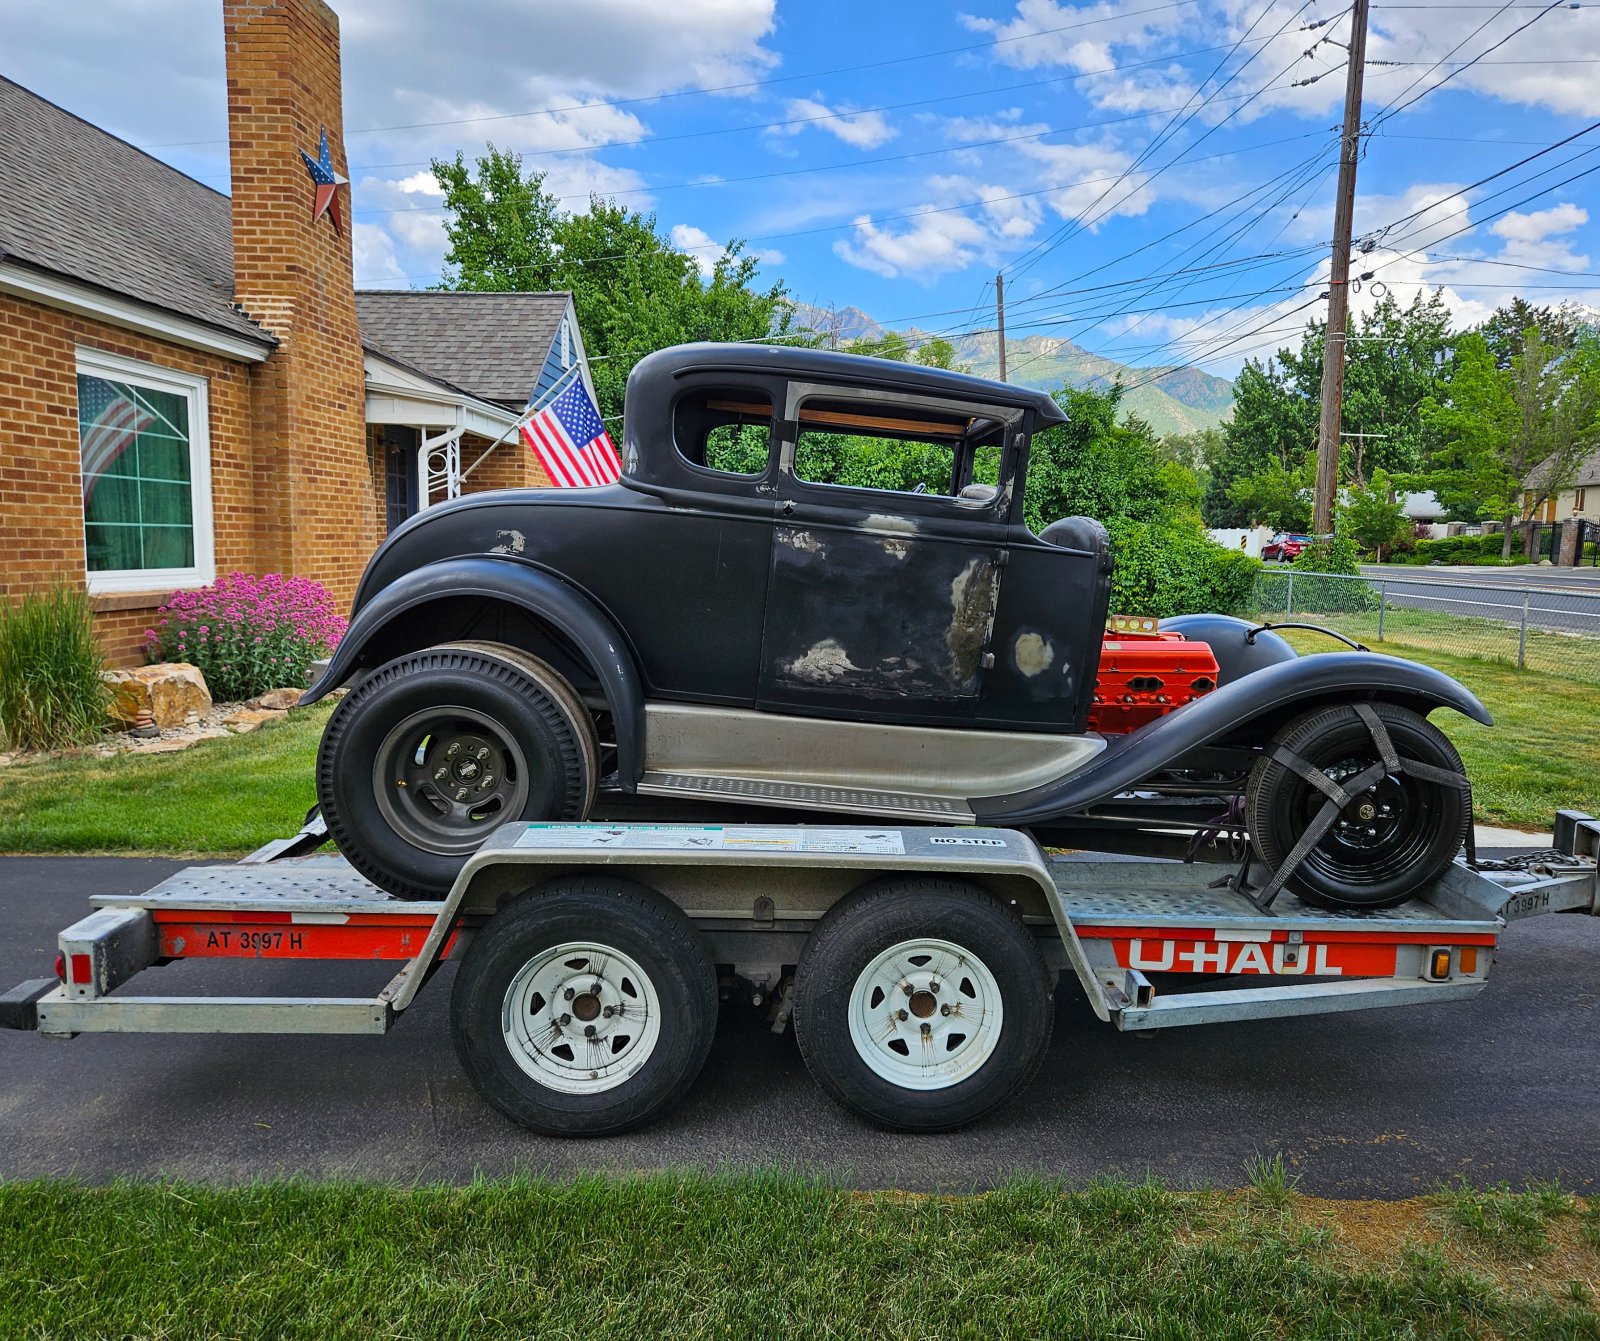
{"points": [[1380, 1103]]}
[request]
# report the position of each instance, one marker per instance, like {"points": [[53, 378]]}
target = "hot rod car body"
{"points": [[726, 622]]}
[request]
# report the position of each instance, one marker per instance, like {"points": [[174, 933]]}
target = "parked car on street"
{"points": [[1285, 547], [726, 623]]}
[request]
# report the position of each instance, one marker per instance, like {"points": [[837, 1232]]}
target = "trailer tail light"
{"points": [[1439, 963], [82, 969], [1144, 674], [61, 967]]}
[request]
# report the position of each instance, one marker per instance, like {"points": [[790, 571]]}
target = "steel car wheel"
{"points": [[1391, 839], [581, 1018], [446, 776], [922, 1004], [925, 1014]]}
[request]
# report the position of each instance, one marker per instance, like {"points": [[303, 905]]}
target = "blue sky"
{"points": [[895, 156]]}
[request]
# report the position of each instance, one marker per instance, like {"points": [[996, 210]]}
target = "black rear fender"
{"points": [[1246, 712], [505, 600]]}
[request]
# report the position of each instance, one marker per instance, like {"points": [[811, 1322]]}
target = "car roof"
{"points": [[652, 377]]}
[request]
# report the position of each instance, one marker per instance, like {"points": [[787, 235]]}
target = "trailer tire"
{"points": [[1406, 832], [974, 1013], [585, 1007], [384, 744]]}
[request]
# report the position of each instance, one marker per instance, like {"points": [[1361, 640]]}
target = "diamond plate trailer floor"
{"points": [[1155, 944]]}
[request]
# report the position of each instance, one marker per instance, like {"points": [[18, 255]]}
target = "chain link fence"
{"points": [[1553, 629]]}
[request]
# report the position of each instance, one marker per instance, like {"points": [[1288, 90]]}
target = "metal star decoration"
{"points": [[327, 183]]}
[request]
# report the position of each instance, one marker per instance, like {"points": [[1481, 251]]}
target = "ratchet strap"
{"points": [[1389, 762]]}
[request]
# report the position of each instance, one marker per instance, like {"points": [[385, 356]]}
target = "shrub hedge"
{"points": [[1171, 567]]}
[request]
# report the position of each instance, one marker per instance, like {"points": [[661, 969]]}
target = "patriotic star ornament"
{"points": [[327, 183]]}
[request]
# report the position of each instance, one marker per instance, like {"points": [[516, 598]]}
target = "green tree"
{"points": [[1511, 438], [890, 345], [632, 290], [938, 353], [1503, 331], [1373, 516], [1275, 496], [1395, 359]]}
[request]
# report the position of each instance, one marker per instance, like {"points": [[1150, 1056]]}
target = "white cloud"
{"points": [[700, 245], [419, 183], [376, 265], [924, 248], [862, 129]]}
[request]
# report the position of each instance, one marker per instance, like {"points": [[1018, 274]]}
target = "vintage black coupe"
{"points": [[726, 624]]}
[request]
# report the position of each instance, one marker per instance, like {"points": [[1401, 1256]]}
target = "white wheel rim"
{"points": [[925, 1014], [581, 1018]]}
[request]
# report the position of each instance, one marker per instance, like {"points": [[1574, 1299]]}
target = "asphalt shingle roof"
{"points": [[82, 203], [490, 345]]}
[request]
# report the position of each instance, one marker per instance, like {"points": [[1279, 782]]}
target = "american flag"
{"points": [[570, 441], [112, 422]]}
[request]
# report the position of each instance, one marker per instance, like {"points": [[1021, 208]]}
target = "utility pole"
{"points": [[1000, 318], [1339, 281]]}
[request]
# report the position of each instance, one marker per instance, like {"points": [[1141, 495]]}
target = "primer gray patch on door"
{"points": [[877, 615]]}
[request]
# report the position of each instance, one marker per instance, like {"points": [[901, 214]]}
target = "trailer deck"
{"points": [[1154, 944]]}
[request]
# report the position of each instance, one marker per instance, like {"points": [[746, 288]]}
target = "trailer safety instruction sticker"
{"points": [[711, 838]]}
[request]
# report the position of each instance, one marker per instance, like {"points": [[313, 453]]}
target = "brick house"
{"points": [[190, 383]]}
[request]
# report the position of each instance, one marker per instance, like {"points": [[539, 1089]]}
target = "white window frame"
{"points": [[115, 367]]}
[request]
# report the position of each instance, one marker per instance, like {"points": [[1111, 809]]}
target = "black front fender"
{"points": [[1305, 683], [549, 598]]}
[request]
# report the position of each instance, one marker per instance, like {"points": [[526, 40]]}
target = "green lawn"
{"points": [[217, 797], [227, 797], [693, 1255]]}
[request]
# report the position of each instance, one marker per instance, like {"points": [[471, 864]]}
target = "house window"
{"points": [[1578, 499], [145, 457]]}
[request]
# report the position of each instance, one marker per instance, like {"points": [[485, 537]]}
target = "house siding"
{"points": [[41, 491]]}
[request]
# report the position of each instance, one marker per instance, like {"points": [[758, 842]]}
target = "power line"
{"points": [[1080, 223]]}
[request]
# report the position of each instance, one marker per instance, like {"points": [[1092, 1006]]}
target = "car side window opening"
{"points": [[725, 429], [900, 449]]}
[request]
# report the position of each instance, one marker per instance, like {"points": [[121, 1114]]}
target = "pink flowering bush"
{"points": [[248, 634]]}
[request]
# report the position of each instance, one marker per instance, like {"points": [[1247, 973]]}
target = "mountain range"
{"points": [[1171, 399]]}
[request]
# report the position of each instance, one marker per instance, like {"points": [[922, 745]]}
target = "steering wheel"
{"points": [[921, 488]]}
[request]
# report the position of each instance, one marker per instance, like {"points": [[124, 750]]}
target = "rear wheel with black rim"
{"points": [[433, 752], [1392, 838], [585, 1008], [922, 1004]]}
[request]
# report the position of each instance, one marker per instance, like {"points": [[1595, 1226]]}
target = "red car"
{"points": [[1284, 548]]}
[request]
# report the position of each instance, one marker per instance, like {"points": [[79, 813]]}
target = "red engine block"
{"points": [[1145, 674]]}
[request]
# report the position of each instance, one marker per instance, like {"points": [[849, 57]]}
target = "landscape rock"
{"points": [[161, 746], [279, 700], [169, 691], [248, 719]]}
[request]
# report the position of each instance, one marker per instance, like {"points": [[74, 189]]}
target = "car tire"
{"points": [[586, 1007], [1399, 834], [432, 752], [922, 1004]]}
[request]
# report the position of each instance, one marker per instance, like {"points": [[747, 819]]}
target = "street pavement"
{"points": [[1383, 1103], [1563, 599]]}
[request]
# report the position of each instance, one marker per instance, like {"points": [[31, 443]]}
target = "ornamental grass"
{"points": [[52, 694]]}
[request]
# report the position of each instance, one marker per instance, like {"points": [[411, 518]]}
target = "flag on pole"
{"points": [[569, 439]]}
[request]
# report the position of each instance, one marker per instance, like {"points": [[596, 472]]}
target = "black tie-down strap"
{"points": [[1389, 762]]}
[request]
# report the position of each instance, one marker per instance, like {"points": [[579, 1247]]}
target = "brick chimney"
{"points": [[293, 274]]}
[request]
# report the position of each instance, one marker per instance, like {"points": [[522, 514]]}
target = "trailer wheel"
{"points": [[1393, 838], [922, 1004], [431, 753], [585, 1007]]}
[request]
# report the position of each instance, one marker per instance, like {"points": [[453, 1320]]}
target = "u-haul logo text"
{"points": [[1209, 957]]}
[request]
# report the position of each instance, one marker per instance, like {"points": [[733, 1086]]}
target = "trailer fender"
{"points": [[554, 602], [1272, 693]]}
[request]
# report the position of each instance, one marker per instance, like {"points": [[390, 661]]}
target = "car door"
{"points": [[880, 601]]}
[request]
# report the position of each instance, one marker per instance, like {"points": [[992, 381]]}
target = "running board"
{"points": [[848, 800]]}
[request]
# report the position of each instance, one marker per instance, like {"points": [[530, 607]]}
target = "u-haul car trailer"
{"points": [[915, 964]]}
